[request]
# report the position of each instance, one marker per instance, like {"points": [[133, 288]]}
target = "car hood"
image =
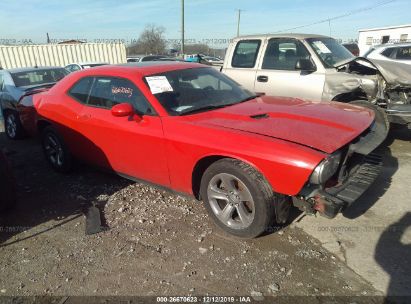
{"points": [[324, 126], [394, 73]]}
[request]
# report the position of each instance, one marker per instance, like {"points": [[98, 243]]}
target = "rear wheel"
{"points": [[12, 125], [56, 151], [240, 200]]}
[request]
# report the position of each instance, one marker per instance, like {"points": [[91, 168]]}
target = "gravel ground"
{"points": [[156, 243]]}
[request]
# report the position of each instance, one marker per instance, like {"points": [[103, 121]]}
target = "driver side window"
{"points": [[283, 54], [110, 91]]}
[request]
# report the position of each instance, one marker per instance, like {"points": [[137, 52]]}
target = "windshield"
{"points": [[329, 51], [194, 90], [38, 77]]}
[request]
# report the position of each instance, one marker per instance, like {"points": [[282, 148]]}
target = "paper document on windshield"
{"points": [[159, 84], [322, 47]]}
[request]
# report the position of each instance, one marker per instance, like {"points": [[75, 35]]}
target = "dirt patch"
{"points": [[156, 243]]}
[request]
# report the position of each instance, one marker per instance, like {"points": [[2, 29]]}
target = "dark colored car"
{"points": [[190, 128], [15, 83], [353, 48], [7, 186]]}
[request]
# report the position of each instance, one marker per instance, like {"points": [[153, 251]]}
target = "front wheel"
{"points": [[55, 150], [240, 200]]}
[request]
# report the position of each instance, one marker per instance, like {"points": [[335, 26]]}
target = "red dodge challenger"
{"points": [[191, 129]]}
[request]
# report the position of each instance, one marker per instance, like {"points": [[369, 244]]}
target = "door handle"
{"points": [[262, 78]]}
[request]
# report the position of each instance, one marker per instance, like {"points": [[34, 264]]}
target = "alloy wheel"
{"points": [[11, 125], [231, 201], [54, 150]]}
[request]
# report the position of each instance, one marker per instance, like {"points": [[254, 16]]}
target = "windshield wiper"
{"points": [[213, 107], [202, 109], [248, 98]]}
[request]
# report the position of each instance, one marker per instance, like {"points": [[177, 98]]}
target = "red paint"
{"points": [[122, 110], [285, 145]]}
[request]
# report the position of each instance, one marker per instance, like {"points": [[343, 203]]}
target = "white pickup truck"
{"points": [[317, 67]]}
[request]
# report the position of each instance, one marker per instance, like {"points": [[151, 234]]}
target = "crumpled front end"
{"points": [[357, 168], [385, 84], [394, 90]]}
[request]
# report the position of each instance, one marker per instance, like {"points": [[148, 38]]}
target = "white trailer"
{"points": [[18, 56], [376, 36]]}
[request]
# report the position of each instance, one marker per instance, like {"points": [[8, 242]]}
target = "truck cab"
{"points": [[318, 68], [293, 65]]}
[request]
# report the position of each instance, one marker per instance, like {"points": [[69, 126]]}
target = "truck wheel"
{"points": [[240, 200], [12, 125], [56, 151], [7, 186]]}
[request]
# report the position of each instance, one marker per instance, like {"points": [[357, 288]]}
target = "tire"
{"points": [[12, 125], [56, 151], [230, 187], [7, 185]]}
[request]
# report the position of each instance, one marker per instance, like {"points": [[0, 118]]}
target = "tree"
{"points": [[151, 41], [197, 48]]}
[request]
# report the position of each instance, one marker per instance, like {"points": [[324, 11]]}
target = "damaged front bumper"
{"points": [[399, 114], [357, 172], [362, 173]]}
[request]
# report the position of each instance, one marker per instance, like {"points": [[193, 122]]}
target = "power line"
{"points": [[360, 10]]}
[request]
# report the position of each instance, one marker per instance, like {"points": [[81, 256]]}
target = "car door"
{"points": [[277, 74], [242, 66], [131, 146]]}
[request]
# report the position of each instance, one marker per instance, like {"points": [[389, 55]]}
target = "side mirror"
{"points": [[305, 65], [122, 110]]}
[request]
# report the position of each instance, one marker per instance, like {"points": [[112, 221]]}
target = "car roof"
{"points": [[391, 45], [30, 69], [282, 35], [143, 68]]}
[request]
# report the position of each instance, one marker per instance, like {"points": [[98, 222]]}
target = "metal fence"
{"points": [[60, 54]]}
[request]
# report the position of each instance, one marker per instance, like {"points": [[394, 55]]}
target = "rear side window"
{"points": [[404, 53], [38, 77], [245, 54], [81, 89], [109, 91]]}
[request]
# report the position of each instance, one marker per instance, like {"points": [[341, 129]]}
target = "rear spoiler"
{"points": [[32, 92]]}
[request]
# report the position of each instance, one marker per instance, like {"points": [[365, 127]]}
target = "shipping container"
{"points": [[18, 56]]}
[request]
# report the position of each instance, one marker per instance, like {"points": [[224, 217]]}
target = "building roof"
{"points": [[385, 28]]}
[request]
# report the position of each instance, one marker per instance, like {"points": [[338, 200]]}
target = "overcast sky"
{"points": [[205, 19]]}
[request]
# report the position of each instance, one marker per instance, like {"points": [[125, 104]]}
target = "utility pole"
{"points": [[182, 27], [238, 22]]}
